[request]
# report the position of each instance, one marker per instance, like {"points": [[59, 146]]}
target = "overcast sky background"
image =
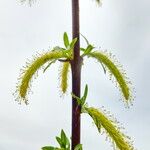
{"points": [[121, 27]]}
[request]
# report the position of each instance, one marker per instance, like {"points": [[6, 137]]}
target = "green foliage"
{"points": [[87, 50], [78, 147], [66, 40], [72, 44], [69, 46], [101, 120], [51, 148], [81, 101], [63, 142]]}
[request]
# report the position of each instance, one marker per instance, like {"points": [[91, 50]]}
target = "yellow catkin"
{"points": [[122, 142], [114, 70], [32, 68], [64, 76]]}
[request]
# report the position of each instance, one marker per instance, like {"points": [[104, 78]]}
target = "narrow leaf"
{"points": [[48, 148], [87, 42], [48, 65], [88, 50], [103, 67], [77, 98], [82, 49], [85, 94], [63, 138], [78, 147], [73, 43], [66, 40], [59, 141]]}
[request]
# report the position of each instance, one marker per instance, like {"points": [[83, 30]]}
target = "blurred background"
{"points": [[122, 27]]}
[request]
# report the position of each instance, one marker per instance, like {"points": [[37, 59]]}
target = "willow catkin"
{"points": [[121, 141], [114, 70], [64, 77], [31, 69]]}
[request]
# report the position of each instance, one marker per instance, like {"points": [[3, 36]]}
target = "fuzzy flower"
{"points": [[110, 127], [114, 68], [64, 76], [30, 70]]}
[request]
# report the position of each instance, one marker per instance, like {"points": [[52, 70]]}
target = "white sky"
{"points": [[119, 26]]}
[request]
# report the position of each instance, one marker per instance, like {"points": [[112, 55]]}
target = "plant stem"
{"points": [[76, 75]]}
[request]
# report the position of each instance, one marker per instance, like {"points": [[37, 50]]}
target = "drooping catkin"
{"points": [[114, 69], [31, 69], [110, 127], [64, 76]]}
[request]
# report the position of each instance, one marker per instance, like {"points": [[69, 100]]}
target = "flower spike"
{"points": [[31, 69], [110, 127], [64, 76], [114, 70]]}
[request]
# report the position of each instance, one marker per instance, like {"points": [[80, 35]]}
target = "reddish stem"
{"points": [[76, 75]]}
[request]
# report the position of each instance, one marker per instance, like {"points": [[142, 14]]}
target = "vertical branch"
{"points": [[76, 75]]}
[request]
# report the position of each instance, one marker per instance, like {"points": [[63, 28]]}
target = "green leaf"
{"points": [[59, 141], [67, 144], [85, 94], [48, 148], [66, 40], [73, 43], [52, 148], [78, 147], [63, 141], [85, 39], [77, 98], [88, 50], [48, 65], [63, 138], [81, 101], [82, 49], [103, 67]]}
